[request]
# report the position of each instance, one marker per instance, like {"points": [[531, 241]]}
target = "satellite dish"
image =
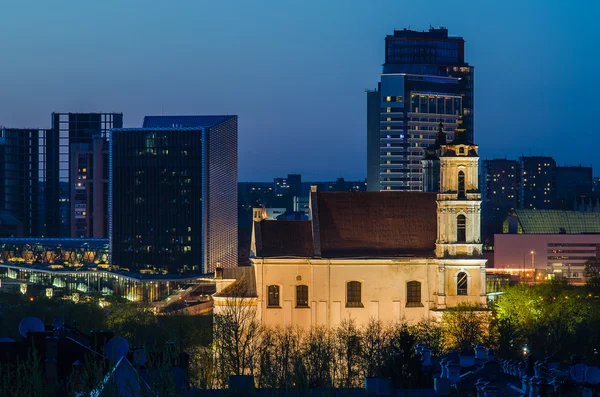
{"points": [[592, 375], [139, 357], [116, 348], [30, 324], [578, 372], [57, 322]]}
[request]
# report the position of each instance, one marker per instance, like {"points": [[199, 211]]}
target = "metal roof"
{"points": [[555, 221], [183, 121]]}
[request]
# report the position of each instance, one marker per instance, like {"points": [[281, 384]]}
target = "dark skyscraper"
{"points": [[70, 131], [21, 180], [501, 194], [174, 194], [425, 81], [572, 183], [538, 182]]}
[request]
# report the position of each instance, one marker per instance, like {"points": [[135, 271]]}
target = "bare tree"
{"points": [[236, 332], [347, 350], [317, 352], [374, 342], [465, 326]]}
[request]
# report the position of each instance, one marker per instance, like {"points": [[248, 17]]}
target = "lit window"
{"points": [[388, 99]]}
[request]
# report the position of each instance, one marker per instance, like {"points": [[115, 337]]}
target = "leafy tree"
{"points": [[465, 325]]}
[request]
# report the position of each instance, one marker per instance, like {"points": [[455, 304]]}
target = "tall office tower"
{"points": [[501, 194], [572, 183], [69, 130], [89, 196], [22, 173], [173, 194], [425, 81], [538, 182]]}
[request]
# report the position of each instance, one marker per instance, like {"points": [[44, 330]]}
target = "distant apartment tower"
{"points": [[174, 194], [70, 133], [22, 177], [572, 183], [538, 182], [501, 195], [89, 195], [292, 185], [425, 81]]}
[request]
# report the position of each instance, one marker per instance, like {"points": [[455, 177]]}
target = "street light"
{"points": [[533, 263]]}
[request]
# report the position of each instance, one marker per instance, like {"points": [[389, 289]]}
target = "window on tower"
{"points": [[461, 228], [461, 185]]}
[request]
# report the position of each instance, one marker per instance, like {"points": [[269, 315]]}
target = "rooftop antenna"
{"points": [[30, 324]]}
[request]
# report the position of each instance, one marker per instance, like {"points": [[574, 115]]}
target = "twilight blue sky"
{"points": [[295, 71]]}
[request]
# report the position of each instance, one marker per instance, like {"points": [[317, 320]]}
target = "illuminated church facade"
{"points": [[388, 256]]}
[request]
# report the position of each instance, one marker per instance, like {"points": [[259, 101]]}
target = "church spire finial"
{"points": [[460, 133]]}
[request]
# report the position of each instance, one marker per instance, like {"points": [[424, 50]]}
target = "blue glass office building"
{"points": [[173, 194], [425, 81]]}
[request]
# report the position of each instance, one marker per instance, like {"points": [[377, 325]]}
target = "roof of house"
{"points": [[244, 285], [183, 121], [556, 222], [355, 225]]}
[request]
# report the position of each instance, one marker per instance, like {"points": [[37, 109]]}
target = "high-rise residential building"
{"points": [[572, 182], [292, 185], [89, 195], [538, 182], [173, 194], [70, 131], [22, 177], [425, 81], [501, 178]]}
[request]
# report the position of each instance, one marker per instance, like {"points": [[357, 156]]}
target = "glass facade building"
{"points": [[22, 179], [70, 132], [425, 81], [173, 201]]}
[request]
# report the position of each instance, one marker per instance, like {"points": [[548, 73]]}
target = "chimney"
{"points": [[480, 352], [50, 363]]}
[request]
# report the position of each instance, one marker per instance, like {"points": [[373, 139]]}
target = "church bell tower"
{"points": [[459, 199]]}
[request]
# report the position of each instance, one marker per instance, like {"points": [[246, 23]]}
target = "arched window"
{"points": [[273, 296], [301, 296], [461, 284], [461, 185], [353, 294], [461, 228], [413, 294]]}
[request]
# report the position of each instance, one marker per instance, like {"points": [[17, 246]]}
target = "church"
{"points": [[389, 256]]}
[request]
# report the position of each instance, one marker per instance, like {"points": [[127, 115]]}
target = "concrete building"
{"points": [[388, 255], [425, 81], [541, 244], [538, 182]]}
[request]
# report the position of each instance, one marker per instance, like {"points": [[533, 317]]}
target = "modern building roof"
{"points": [[557, 222], [244, 285], [183, 121], [92, 243], [355, 225]]}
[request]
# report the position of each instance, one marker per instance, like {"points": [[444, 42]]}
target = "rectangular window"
{"points": [[301, 296], [413, 294], [273, 296], [353, 294]]}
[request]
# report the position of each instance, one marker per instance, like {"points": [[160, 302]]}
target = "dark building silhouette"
{"points": [[538, 182], [70, 132], [174, 194], [425, 81], [22, 177], [572, 184], [501, 194]]}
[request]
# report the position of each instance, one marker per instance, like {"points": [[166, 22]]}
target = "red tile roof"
{"points": [[284, 238], [373, 224]]}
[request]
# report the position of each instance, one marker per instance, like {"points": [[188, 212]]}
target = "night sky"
{"points": [[295, 71]]}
